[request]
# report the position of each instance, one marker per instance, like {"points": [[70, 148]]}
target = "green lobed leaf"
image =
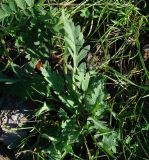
{"points": [[3, 14], [12, 5], [6, 8], [21, 4], [109, 143], [30, 3], [85, 82], [99, 125], [74, 41], [82, 54], [54, 79], [43, 109]]}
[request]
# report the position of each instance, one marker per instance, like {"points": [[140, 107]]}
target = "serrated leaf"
{"points": [[71, 44], [21, 4], [99, 125], [109, 143], [62, 114], [82, 54], [3, 14], [68, 149], [79, 39], [74, 41], [6, 8], [85, 82], [53, 153], [96, 93], [43, 109], [68, 101], [69, 29], [30, 3], [40, 2], [54, 79], [27, 13], [12, 5], [70, 131]]}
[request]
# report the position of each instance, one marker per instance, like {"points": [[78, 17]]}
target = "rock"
{"points": [[11, 121], [14, 114]]}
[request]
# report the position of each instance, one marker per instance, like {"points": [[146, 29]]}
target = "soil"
{"points": [[13, 113]]}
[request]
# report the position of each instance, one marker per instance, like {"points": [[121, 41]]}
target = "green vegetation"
{"points": [[84, 67]]}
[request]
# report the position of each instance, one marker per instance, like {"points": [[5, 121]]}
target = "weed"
{"points": [[82, 63]]}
